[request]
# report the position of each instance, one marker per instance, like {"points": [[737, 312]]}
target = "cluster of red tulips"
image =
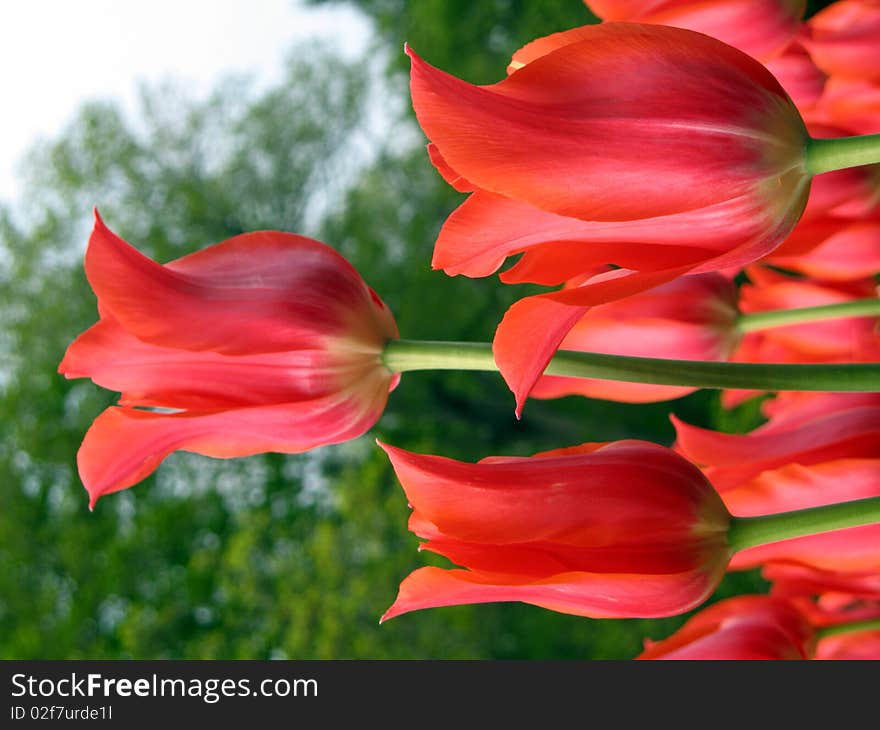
{"points": [[699, 183]]}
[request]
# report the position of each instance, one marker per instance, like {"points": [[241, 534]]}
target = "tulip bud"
{"points": [[265, 342], [627, 529]]}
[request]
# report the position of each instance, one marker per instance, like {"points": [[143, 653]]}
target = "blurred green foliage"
{"points": [[273, 556]]}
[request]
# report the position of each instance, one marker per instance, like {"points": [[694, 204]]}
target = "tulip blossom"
{"points": [[692, 318], [761, 28], [851, 646], [601, 530], [744, 627], [833, 458], [656, 149], [265, 342], [844, 39]]}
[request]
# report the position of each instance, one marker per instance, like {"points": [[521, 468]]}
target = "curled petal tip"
{"points": [[387, 448]]}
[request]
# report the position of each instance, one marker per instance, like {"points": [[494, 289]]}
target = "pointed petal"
{"points": [[735, 459], [150, 375], [277, 291], [851, 550], [124, 445], [543, 321], [761, 28], [626, 494], [581, 594]]}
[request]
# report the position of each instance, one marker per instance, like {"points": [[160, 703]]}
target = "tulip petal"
{"points": [[851, 550], [735, 459], [844, 39], [125, 445], [846, 253], [272, 288], [799, 76], [617, 494], [150, 375], [486, 229], [582, 594], [761, 28], [744, 627], [544, 320], [859, 646]]}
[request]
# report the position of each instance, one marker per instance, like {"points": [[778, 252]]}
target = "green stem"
{"points": [[825, 155], [746, 532], [850, 628], [780, 317], [403, 355]]}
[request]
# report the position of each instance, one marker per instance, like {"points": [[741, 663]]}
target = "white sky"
{"points": [[54, 54]]}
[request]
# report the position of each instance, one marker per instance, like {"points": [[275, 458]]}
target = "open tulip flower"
{"points": [[265, 342], [659, 150], [627, 529], [744, 627]]}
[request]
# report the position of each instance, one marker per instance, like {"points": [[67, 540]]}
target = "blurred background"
{"points": [[188, 123]]}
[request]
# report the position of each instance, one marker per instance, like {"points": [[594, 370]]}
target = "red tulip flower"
{"points": [[744, 627], [844, 39], [832, 458], [691, 318], [265, 342], [659, 150], [861, 645], [761, 28], [627, 529]]}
